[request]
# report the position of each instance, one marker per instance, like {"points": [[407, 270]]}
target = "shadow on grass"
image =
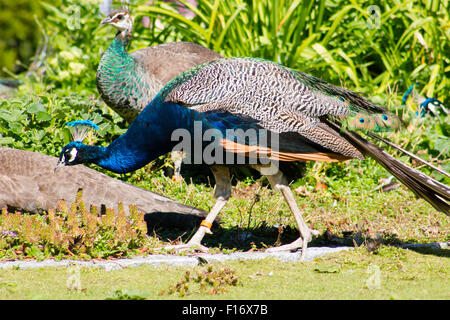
{"points": [[172, 227], [445, 253]]}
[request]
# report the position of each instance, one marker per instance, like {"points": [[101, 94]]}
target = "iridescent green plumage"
{"points": [[127, 81]]}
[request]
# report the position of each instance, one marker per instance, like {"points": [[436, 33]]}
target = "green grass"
{"points": [[348, 209], [391, 273], [341, 213]]}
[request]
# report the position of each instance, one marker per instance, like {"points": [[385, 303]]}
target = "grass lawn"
{"points": [[391, 273], [355, 216]]}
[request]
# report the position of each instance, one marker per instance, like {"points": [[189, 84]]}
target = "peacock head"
{"points": [[76, 152], [119, 19], [72, 154]]}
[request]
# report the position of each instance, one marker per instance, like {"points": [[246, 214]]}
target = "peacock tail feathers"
{"points": [[362, 114], [379, 122]]}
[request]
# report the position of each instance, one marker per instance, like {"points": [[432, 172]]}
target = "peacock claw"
{"points": [[187, 246], [299, 243]]}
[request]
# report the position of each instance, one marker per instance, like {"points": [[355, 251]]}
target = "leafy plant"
{"points": [[19, 41], [369, 48], [37, 122], [206, 280], [73, 231]]}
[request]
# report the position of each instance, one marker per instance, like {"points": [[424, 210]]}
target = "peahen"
{"points": [[128, 81], [303, 117]]}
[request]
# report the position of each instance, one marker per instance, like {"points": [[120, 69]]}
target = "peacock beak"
{"points": [[60, 164]]}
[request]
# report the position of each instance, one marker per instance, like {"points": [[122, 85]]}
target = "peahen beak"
{"points": [[106, 21]]}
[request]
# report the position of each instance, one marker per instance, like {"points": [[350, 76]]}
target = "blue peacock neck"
{"points": [[148, 137]]}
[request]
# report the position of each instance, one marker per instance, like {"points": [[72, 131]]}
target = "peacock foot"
{"points": [[299, 243], [187, 246]]}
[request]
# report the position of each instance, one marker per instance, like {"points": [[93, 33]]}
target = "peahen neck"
{"points": [[123, 82], [117, 76], [147, 138], [116, 56]]}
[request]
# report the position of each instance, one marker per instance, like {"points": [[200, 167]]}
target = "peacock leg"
{"points": [[222, 193], [279, 182], [177, 159]]}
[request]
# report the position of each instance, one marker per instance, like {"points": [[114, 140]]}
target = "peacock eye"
{"points": [[385, 117], [119, 17]]}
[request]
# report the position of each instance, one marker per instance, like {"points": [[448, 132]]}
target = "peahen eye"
{"points": [[120, 17]]}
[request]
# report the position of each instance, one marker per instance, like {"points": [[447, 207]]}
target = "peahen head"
{"points": [[121, 20]]}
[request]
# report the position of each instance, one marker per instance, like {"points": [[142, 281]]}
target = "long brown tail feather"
{"points": [[436, 193], [373, 135]]}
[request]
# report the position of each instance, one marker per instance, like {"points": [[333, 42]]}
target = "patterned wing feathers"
{"points": [[278, 98]]}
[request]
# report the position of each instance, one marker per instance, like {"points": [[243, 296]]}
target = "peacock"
{"points": [[431, 106], [255, 112], [128, 81]]}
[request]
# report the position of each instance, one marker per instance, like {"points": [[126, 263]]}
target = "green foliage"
{"points": [[338, 40], [76, 40], [73, 231], [205, 281], [19, 39], [37, 122]]}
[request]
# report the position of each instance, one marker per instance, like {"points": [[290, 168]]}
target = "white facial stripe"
{"points": [[116, 16], [73, 154]]}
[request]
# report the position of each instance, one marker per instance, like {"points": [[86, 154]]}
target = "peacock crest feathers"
{"points": [[80, 129]]}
